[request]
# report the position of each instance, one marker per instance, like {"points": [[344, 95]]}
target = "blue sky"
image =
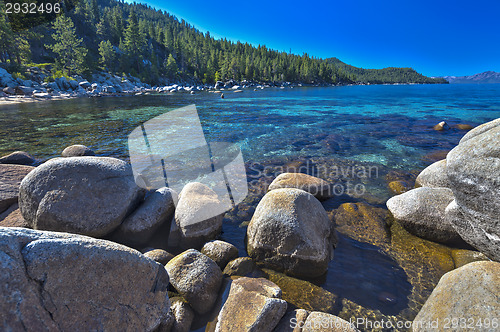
{"points": [[434, 37]]}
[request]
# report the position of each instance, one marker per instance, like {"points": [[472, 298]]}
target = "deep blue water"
{"points": [[389, 127]]}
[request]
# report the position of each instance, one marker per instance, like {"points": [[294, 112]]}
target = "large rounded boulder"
{"points": [[319, 188], [290, 231], [83, 195], [55, 281], [421, 212], [473, 169], [468, 294]]}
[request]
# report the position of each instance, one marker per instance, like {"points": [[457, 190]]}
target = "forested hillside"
{"points": [[112, 36], [388, 75]]}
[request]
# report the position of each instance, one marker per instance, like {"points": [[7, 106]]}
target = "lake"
{"points": [[335, 133]]}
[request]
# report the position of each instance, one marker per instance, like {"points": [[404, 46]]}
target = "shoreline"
{"points": [[14, 99]]}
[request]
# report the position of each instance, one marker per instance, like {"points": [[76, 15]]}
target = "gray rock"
{"points": [[292, 321], [157, 209], [319, 188], [473, 169], [240, 266], [159, 255], [47, 277], [77, 150], [9, 90], [18, 158], [24, 90], [220, 252], [421, 212], [85, 85], [73, 84], [253, 304], [322, 322], [10, 179], [83, 195], [195, 215], [434, 176], [182, 317], [196, 277], [479, 130], [12, 217], [291, 232], [469, 294]]}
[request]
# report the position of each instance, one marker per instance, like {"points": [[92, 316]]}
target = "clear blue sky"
{"points": [[434, 37]]}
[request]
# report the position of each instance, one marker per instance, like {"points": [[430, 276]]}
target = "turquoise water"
{"points": [[390, 125], [351, 127]]}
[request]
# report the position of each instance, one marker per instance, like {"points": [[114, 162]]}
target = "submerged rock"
{"points": [[319, 188], [10, 179], [399, 187], [290, 231], [422, 212], [363, 222], [441, 126], [18, 158], [198, 215], [434, 176], [253, 304], [47, 277], [83, 195], [469, 294], [77, 151], [473, 169], [220, 252], [303, 294], [196, 277]]}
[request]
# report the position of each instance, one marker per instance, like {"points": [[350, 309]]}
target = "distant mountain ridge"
{"points": [[389, 75], [481, 78]]}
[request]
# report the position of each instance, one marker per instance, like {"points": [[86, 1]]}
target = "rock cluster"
{"points": [[459, 198], [47, 277]]}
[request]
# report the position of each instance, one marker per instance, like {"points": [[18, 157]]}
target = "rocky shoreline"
{"points": [[39, 88], [78, 235]]}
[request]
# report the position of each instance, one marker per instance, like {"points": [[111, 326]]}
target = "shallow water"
{"points": [[352, 127]]}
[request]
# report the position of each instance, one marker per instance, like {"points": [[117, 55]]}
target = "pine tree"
{"points": [[134, 40], [68, 48], [107, 53], [171, 66]]}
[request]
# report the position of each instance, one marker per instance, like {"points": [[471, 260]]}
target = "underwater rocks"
{"points": [[197, 278], [47, 277], [468, 294], [253, 304], [421, 211], [319, 188], [83, 195], [473, 169], [290, 231], [363, 222]]}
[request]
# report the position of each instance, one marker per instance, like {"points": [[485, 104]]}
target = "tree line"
{"points": [[136, 39]]}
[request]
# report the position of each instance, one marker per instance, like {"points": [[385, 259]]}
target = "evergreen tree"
{"points": [[68, 48], [107, 53], [171, 66]]}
